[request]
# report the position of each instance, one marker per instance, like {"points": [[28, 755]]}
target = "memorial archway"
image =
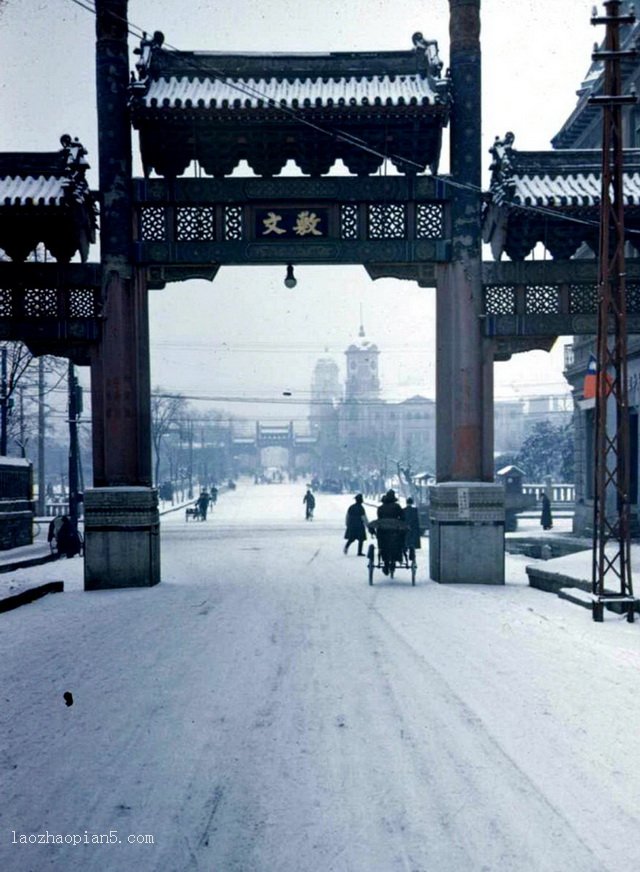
{"points": [[363, 108]]}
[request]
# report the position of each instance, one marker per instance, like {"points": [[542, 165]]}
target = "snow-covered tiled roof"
{"points": [[47, 192], [570, 190], [388, 90], [564, 177], [32, 191], [265, 105]]}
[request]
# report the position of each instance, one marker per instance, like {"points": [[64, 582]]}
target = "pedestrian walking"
{"points": [[545, 518], [310, 503], [203, 504], [412, 520], [356, 525]]}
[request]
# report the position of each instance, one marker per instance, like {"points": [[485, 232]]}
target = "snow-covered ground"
{"points": [[264, 710]]}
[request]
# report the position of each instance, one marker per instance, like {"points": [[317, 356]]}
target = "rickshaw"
{"points": [[390, 553]]}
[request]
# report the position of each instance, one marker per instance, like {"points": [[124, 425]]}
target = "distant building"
{"points": [[358, 431], [508, 426], [514, 419]]}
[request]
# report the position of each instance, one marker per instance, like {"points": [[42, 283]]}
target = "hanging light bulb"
{"points": [[290, 279]]}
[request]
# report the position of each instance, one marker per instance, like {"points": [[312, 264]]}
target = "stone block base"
{"points": [[16, 523], [122, 538], [466, 533]]}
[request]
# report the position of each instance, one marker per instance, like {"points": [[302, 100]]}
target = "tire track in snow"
{"points": [[472, 722]]}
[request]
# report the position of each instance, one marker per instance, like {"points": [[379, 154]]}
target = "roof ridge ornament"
{"points": [[430, 49], [74, 156], [76, 187], [502, 183], [145, 51]]}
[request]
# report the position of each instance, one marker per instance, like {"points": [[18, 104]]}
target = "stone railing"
{"points": [[563, 493]]}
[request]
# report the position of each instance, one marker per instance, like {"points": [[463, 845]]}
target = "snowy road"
{"points": [[265, 710]]}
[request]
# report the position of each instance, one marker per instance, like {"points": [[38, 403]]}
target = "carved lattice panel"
{"points": [[387, 221], [152, 226], [233, 223], [195, 224], [81, 303], [429, 221], [348, 221], [499, 300], [6, 303], [583, 299], [40, 303], [633, 297], [542, 300]]}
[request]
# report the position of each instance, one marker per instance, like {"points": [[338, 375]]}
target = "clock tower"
{"points": [[363, 381]]}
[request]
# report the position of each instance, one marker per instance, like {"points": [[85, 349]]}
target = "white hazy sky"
{"points": [[245, 334]]}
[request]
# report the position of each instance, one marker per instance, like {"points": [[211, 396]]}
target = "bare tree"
{"points": [[166, 411], [21, 390]]}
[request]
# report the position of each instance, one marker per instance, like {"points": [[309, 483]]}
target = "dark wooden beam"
{"points": [[50, 275], [256, 253], [330, 188], [548, 272]]}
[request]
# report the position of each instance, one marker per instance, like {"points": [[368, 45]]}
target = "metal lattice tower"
{"points": [[611, 575]]}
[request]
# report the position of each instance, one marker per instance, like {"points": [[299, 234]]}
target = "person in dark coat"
{"points": [[389, 530], [545, 519], [412, 536], [356, 523], [203, 504], [310, 502], [52, 533], [68, 539]]}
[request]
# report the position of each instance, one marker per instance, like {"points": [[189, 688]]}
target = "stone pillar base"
{"points": [[466, 533], [121, 538]]}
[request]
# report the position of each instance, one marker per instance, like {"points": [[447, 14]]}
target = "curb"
{"points": [[29, 595], [26, 562]]}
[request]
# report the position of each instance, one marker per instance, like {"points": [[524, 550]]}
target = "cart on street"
{"points": [[390, 553]]}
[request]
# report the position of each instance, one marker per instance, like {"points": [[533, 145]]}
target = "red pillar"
{"points": [[122, 538], [120, 385], [120, 380], [464, 367]]}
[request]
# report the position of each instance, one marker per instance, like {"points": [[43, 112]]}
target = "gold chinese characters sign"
{"points": [[291, 223]]}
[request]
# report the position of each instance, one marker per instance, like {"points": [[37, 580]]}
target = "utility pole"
{"points": [[190, 494], [4, 405], [611, 568], [73, 446], [41, 421], [21, 443]]}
